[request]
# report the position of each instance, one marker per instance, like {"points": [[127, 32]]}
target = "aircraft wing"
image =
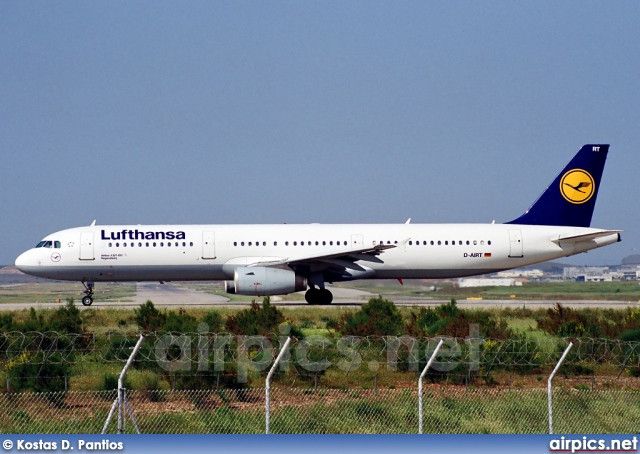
{"points": [[342, 259]]}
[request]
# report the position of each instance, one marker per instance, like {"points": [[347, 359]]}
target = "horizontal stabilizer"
{"points": [[586, 236]]}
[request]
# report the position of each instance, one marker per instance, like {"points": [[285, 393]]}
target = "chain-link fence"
{"points": [[211, 383], [308, 411]]}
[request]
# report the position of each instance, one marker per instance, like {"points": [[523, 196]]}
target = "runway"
{"points": [[170, 295]]}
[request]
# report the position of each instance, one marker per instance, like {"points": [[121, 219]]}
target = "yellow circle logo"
{"points": [[577, 186]]}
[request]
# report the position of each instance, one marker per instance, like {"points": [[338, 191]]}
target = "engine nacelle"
{"points": [[262, 281]]}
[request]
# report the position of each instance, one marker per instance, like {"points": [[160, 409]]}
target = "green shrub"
{"points": [[110, 382], [378, 317], [632, 335], [66, 319], [6, 322], [34, 372], [214, 320], [179, 322], [259, 321], [149, 318]]}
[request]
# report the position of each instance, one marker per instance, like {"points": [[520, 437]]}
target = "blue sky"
{"points": [[298, 112]]}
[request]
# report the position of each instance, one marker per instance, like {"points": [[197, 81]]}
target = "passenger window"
{"points": [[330, 243], [432, 242], [146, 244], [124, 244], [235, 243], [249, 244], [275, 243], [286, 243], [467, 242], [295, 243], [242, 243], [489, 242], [154, 244], [191, 244], [482, 243], [117, 244], [439, 242], [475, 242], [110, 244], [264, 243]]}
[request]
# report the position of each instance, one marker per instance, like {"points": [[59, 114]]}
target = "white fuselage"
{"points": [[212, 252]]}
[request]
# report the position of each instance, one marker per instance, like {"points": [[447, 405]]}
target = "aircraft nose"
{"points": [[24, 261]]}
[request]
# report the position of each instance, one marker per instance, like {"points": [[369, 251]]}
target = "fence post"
{"points": [[424, 372], [120, 403], [564, 355], [268, 384]]}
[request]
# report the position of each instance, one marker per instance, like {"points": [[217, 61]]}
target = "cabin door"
{"points": [[515, 244], [208, 245]]}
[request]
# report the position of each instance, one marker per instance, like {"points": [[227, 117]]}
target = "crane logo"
{"points": [[577, 186]]}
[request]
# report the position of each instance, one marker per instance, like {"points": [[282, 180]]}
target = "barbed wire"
{"points": [[186, 351]]}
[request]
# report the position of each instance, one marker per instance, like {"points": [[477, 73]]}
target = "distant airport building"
{"points": [[581, 272], [630, 272], [488, 282], [529, 274]]}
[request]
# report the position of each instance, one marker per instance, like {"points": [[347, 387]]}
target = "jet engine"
{"points": [[261, 281]]}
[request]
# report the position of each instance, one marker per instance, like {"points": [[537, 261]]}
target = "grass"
{"points": [[566, 290], [58, 292], [446, 410]]}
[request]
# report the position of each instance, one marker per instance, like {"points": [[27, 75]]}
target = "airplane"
{"points": [[259, 260]]}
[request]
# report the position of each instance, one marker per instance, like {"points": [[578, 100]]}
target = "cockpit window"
{"points": [[56, 244], [48, 244]]}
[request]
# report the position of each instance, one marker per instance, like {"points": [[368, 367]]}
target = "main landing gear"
{"points": [[87, 300], [319, 296]]}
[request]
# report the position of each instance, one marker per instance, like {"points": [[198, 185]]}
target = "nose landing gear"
{"points": [[87, 300]]}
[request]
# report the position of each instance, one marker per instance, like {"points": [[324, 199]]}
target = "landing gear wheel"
{"points": [[326, 297], [318, 296], [87, 300], [312, 296]]}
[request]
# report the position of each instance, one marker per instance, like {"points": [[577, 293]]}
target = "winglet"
{"points": [[570, 199]]}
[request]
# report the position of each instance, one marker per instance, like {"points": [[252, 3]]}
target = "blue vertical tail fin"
{"points": [[570, 199]]}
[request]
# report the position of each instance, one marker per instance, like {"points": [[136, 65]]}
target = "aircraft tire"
{"points": [[326, 297], [313, 296], [87, 301]]}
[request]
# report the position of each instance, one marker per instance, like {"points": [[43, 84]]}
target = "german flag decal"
{"points": [[487, 254]]}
